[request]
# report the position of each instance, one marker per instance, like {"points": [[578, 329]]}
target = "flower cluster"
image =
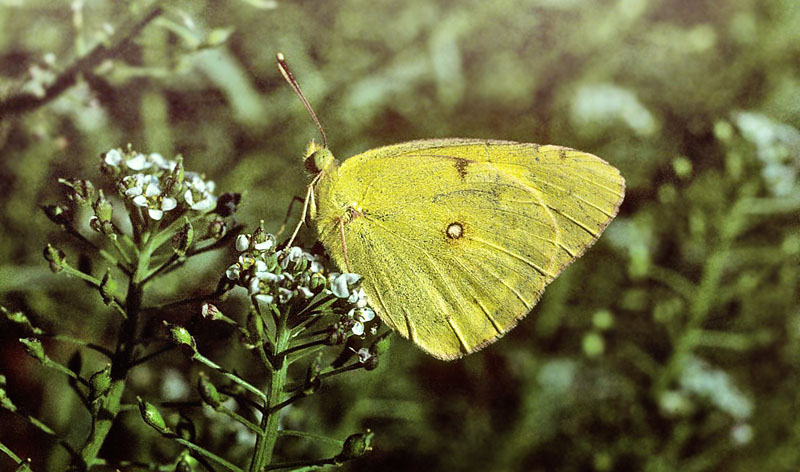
{"points": [[280, 276], [156, 184]]}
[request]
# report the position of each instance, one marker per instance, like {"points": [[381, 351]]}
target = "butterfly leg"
{"points": [[344, 245], [306, 201], [295, 199]]}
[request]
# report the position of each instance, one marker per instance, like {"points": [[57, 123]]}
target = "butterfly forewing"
{"points": [[457, 239]]}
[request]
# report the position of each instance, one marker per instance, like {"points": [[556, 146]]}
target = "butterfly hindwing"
{"points": [[456, 238]]}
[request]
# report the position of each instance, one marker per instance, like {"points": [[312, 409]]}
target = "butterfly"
{"points": [[457, 238]]}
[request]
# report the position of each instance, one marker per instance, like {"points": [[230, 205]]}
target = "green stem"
{"points": [[10, 453], [265, 444], [121, 363], [207, 454]]}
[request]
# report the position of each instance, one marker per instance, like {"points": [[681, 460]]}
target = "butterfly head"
{"points": [[318, 158]]}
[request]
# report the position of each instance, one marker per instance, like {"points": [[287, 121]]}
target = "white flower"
{"points": [[360, 316], [265, 245], [264, 298], [305, 292], [199, 193], [340, 282], [358, 298], [139, 162], [152, 200], [242, 242], [136, 183], [233, 272], [113, 158], [284, 295], [159, 161], [255, 286], [364, 355]]}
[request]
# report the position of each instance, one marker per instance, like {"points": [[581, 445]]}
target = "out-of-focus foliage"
{"points": [[674, 344]]}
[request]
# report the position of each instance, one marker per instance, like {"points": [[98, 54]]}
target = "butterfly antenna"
{"points": [[286, 72]]}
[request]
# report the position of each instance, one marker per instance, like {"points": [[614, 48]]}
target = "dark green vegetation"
{"points": [[674, 344]]}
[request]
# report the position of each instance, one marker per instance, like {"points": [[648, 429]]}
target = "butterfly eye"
{"points": [[319, 160], [455, 230]]}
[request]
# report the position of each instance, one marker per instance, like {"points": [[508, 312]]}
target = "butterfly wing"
{"points": [[457, 239]]}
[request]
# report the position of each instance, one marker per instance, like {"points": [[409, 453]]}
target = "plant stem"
{"points": [[121, 363], [265, 443]]}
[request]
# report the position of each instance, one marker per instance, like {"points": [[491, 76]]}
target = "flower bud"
{"points": [[5, 401], [182, 240], [210, 311], [317, 281], [58, 214], [181, 336], [217, 227], [100, 383], [336, 336], [33, 347], [152, 416], [82, 190], [24, 466], [22, 321], [55, 257], [262, 240], [108, 288], [208, 392], [312, 382], [174, 181], [355, 446]]}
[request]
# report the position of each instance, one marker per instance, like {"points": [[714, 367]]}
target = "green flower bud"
{"points": [[317, 282], [208, 392], [24, 466], [173, 184], [100, 383], [22, 321], [187, 464], [34, 348], [102, 207], [217, 37], [312, 382], [82, 190], [55, 257], [152, 416], [181, 336], [5, 401], [58, 214], [182, 240], [355, 446], [211, 311], [108, 288], [217, 227], [336, 336]]}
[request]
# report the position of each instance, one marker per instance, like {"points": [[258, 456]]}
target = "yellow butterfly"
{"points": [[457, 238]]}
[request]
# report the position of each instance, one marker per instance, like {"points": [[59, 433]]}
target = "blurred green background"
{"points": [[674, 344]]}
